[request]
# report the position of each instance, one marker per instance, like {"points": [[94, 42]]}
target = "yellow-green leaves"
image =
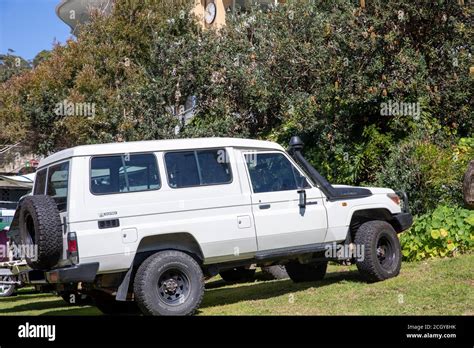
{"points": [[470, 219], [435, 234], [441, 233]]}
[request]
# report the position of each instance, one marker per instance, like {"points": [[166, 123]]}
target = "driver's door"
{"points": [[279, 221]]}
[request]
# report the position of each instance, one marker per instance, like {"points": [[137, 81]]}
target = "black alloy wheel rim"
{"points": [[385, 253], [173, 287]]}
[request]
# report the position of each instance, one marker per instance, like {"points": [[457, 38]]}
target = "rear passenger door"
{"points": [[211, 206], [279, 220]]}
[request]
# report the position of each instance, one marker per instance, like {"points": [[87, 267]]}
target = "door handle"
{"points": [[264, 206]]}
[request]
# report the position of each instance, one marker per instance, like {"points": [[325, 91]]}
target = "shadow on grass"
{"points": [[74, 311], [259, 276], [27, 291], [215, 295], [33, 306], [22, 297], [264, 290]]}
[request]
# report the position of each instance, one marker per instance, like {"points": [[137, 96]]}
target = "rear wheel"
{"points": [[7, 290], [237, 274], [308, 272], [382, 253], [169, 283]]}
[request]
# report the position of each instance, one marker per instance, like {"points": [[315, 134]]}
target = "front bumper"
{"points": [[402, 221], [85, 272]]}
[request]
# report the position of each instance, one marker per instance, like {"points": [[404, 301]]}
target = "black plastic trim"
{"points": [[402, 221], [108, 223], [290, 251], [85, 272]]}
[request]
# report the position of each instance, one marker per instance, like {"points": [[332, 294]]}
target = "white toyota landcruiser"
{"points": [[139, 225]]}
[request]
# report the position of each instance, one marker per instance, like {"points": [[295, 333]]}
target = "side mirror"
{"points": [[302, 201]]}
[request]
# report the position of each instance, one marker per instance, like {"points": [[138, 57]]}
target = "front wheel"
{"points": [[382, 257], [169, 283]]}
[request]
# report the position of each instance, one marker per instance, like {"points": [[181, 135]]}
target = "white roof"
{"points": [[157, 145]]}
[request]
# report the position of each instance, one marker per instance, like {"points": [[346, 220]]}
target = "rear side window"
{"points": [[57, 184], [40, 182], [197, 168], [124, 173]]}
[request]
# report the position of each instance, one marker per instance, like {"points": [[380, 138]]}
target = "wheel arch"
{"points": [[360, 216], [179, 241]]}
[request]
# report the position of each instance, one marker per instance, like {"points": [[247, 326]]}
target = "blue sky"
{"points": [[30, 26]]}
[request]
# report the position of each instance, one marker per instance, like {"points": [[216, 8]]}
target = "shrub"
{"points": [[429, 172], [446, 231]]}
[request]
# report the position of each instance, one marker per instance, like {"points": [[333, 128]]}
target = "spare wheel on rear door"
{"points": [[40, 228]]}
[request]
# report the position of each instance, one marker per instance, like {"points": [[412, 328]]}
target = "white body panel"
{"points": [[226, 220]]}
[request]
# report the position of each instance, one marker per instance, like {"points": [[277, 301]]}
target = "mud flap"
{"points": [[122, 290]]}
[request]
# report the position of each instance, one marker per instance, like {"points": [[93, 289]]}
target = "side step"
{"points": [[292, 251]]}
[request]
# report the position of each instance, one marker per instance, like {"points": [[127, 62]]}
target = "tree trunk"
{"points": [[468, 186]]}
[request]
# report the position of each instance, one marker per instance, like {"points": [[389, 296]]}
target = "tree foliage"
{"points": [[11, 65], [315, 68]]}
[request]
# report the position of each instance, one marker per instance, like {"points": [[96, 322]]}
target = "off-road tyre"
{"points": [[40, 225], [169, 283], [382, 256]]}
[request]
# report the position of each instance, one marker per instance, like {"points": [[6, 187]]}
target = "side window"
{"points": [[139, 173], [57, 184], [104, 174], [182, 169], [214, 167], [271, 172], [197, 168], [124, 173], [40, 182]]}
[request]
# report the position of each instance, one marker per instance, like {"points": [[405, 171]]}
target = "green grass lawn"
{"points": [[434, 287]]}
